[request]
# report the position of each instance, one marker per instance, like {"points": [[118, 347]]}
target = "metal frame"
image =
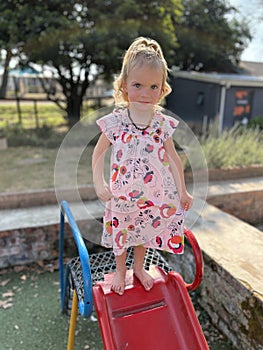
{"points": [[86, 305]]}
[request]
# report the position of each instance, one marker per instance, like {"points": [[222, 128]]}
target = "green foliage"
{"points": [[73, 37], [234, 148], [256, 122], [208, 39]]}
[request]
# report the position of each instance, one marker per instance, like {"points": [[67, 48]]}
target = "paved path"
{"points": [[49, 214], [233, 186]]}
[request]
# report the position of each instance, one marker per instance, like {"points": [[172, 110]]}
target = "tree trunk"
{"points": [[3, 87], [74, 104]]}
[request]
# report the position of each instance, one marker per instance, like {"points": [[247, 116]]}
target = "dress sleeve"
{"points": [[108, 125], [170, 125]]}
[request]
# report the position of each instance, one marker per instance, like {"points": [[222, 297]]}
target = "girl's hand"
{"points": [[103, 191], [186, 200]]}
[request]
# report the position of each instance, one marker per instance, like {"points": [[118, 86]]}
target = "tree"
{"points": [[209, 40], [74, 37], [79, 40], [8, 39]]}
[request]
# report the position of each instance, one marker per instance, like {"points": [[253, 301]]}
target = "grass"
{"points": [[45, 113], [32, 168], [28, 163], [26, 168]]}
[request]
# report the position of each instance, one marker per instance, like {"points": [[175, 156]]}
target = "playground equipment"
{"points": [[162, 319]]}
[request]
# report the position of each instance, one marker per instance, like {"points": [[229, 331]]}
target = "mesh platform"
{"points": [[104, 263]]}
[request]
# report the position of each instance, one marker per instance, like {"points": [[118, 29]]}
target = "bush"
{"points": [[256, 122], [236, 147], [41, 137]]}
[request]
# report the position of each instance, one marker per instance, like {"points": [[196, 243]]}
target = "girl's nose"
{"points": [[146, 92]]}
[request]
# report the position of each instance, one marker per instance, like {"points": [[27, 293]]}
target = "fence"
{"points": [[27, 111]]}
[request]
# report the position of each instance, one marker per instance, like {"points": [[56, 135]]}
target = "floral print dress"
{"points": [[145, 207]]}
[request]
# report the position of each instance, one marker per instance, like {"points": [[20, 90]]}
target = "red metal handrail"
{"points": [[199, 264]]}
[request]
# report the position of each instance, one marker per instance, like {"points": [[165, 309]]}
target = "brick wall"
{"points": [[27, 245], [234, 308], [247, 206]]}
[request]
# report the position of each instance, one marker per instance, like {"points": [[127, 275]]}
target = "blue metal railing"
{"points": [[85, 305]]}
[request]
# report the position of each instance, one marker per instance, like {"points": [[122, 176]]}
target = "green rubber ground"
{"points": [[34, 321], [31, 319]]}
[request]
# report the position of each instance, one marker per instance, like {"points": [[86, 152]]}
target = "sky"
{"points": [[252, 11]]}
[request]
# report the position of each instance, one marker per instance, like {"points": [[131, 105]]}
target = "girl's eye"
{"points": [[137, 85], [154, 87]]}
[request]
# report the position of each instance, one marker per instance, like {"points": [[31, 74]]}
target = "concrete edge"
{"points": [[31, 198]]}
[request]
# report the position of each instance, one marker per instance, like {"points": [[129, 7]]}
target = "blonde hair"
{"points": [[142, 51]]}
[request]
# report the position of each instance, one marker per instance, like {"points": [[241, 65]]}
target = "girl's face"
{"points": [[144, 85]]}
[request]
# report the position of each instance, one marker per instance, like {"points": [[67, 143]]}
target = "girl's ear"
{"points": [[161, 94], [124, 87]]}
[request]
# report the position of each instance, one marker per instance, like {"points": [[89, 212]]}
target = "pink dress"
{"points": [[145, 209]]}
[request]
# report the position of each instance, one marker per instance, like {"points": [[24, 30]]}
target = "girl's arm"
{"points": [[101, 187], [186, 200]]}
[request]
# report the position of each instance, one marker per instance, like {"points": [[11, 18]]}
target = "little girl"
{"points": [[146, 195]]}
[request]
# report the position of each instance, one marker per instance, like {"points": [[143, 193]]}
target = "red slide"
{"points": [[162, 319]]}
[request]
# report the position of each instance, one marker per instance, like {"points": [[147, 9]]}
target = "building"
{"points": [[24, 80], [204, 98], [27, 80]]}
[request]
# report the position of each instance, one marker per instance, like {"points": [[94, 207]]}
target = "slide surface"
{"points": [[163, 318]]}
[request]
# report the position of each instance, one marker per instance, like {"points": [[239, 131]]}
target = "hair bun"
{"points": [[141, 43]]}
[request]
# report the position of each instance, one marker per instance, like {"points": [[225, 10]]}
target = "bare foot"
{"points": [[145, 279], [118, 283]]}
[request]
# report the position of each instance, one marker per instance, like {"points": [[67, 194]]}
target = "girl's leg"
{"points": [[118, 283], [139, 271]]}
